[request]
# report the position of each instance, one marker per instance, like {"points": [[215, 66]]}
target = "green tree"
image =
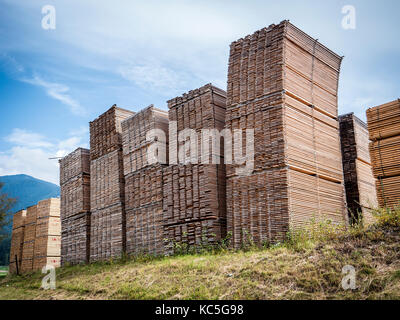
{"points": [[6, 203]]}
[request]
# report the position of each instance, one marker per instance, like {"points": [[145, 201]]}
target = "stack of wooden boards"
{"points": [[28, 247], [384, 133], [144, 140], [283, 84], [17, 241], [75, 207], [358, 177], [48, 234], [36, 237], [194, 188], [107, 185]]}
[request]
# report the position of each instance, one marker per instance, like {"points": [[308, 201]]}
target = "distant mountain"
{"points": [[27, 191]]}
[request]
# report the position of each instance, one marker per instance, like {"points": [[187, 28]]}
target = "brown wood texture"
{"points": [[106, 130], [17, 240], [359, 181], [195, 193], [135, 144], [384, 128], [74, 164], [40, 262], [283, 84], [195, 234], [144, 210], [75, 208], [75, 196], [388, 191], [385, 156], [75, 239], [107, 232], [384, 120], [107, 183]]}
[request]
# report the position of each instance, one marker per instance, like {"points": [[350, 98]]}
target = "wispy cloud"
{"points": [[11, 64], [59, 92], [21, 137]]}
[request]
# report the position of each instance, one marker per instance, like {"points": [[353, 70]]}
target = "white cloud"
{"points": [[151, 76], [31, 161], [59, 92], [25, 138], [30, 153]]}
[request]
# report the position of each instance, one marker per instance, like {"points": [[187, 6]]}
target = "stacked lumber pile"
{"points": [[17, 241], [358, 177], [384, 131], [194, 188], [144, 180], [107, 185], [283, 84], [47, 249], [75, 207], [137, 142], [28, 247]]}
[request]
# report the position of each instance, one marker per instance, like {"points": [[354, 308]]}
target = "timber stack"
{"points": [[75, 207], [283, 84], [145, 149], [384, 132], [28, 248], [357, 169], [194, 182], [107, 185], [17, 241], [47, 249]]}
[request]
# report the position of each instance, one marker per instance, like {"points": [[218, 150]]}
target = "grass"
{"points": [[307, 266]]}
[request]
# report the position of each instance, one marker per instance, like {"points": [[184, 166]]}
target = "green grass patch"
{"points": [[308, 265]]}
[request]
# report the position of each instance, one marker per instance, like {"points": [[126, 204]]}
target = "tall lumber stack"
{"points": [[17, 241], [194, 191], [384, 131], [28, 248], [358, 177], [144, 180], [47, 249], [75, 207], [107, 185], [283, 84]]}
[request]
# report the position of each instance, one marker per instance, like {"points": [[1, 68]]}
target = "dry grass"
{"points": [[308, 266]]}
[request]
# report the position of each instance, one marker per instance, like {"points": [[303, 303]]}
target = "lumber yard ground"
{"points": [[307, 266]]}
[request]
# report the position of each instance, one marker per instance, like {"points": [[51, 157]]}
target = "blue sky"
{"points": [[136, 53]]}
